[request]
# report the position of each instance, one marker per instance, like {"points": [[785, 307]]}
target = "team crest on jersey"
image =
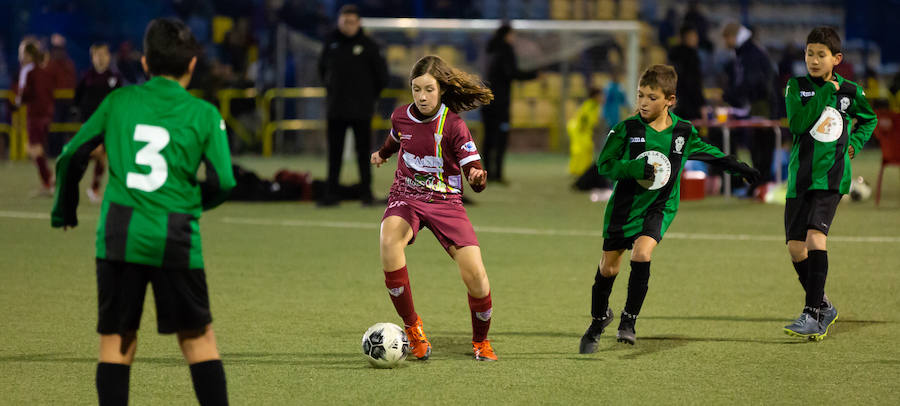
{"points": [[469, 147], [845, 103], [679, 144]]}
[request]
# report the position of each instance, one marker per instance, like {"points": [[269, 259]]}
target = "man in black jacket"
{"points": [[502, 70], [685, 58], [354, 72], [751, 91]]}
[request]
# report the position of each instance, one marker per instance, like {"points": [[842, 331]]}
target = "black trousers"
{"points": [[362, 136], [761, 142], [496, 137]]}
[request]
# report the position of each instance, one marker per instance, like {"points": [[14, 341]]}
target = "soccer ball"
{"points": [[385, 345], [860, 190]]}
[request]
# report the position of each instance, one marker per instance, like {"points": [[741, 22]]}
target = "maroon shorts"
{"points": [[448, 221], [38, 129]]}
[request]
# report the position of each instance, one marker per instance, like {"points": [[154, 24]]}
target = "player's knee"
{"points": [[607, 271], [640, 255]]}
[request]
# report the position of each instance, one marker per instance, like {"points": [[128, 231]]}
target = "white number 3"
{"points": [[156, 138]]}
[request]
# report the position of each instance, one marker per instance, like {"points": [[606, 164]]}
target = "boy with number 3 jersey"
{"points": [[156, 135]]}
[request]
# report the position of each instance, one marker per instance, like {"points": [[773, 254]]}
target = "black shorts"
{"points": [[627, 243], [814, 210], [182, 301]]}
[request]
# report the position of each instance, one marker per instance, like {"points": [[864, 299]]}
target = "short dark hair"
{"points": [[169, 47], [349, 9], [661, 77], [97, 46], [686, 28], [826, 36]]}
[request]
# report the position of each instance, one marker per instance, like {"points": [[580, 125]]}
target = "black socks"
{"points": [[112, 383], [637, 287], [815, 282], [600, 294], [209, 382]]}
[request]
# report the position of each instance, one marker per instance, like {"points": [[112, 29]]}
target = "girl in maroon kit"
{"points": [[36, 86], [436, 151]]}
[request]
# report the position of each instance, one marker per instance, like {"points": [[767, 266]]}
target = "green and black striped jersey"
{"points": [[634, 209], [156, 135], [820, 120]]}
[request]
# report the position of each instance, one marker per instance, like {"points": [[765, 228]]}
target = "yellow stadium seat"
{"points": [[220, 26]]}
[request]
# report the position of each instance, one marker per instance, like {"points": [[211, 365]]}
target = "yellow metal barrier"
{"points": [[225, 97], [269, 127]]}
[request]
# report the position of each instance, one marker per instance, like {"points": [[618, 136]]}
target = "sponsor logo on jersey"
{"points": [[679, 144], [455, 181], [430, 164], [804, 93], [845, 103], [469, 147], [637, 139], [829, 127]]}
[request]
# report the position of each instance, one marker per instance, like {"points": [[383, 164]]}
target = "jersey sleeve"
{"points": [[217, 158], [800, 116], [71, 164], [865, 120], [611, 164], [463, 145]]}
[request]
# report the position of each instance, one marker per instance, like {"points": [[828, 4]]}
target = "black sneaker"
{"points": [[626, 329], [806, 326], [589, 339]]}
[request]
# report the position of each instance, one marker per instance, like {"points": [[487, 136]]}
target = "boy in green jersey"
{"points": [[156, 135], [820, 108], [645, 154]]}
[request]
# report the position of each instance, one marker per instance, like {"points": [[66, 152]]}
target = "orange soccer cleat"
{"points": [[418, 343], [483, 351]]}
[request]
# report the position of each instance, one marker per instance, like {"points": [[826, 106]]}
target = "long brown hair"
{"points": [[33, 49], [462, 91]]}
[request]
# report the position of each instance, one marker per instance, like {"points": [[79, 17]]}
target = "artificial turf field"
{"points": [[293, 288]]}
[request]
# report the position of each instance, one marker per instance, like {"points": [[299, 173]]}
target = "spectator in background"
{"points": [[128, 60], [35, 89], [580, 129], [666, 28], [93, 87], [750, 91], [694, 17], [502, 70], [685, 58], [61, 65], [353, 71], [614, 100]]}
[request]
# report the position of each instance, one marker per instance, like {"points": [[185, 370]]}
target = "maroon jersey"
{"points": [[36, 86], [432, 153]]}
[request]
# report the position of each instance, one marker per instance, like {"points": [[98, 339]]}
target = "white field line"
{"points": [[496, 230]]}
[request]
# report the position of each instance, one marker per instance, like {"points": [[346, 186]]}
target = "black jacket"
{"points": [[502, 70], [689, 90], [354, 72], [751, 78], [92, 89]]}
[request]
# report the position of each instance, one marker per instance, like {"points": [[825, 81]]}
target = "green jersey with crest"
{"points": [[820, 120], [634, 208], [156, 135]]}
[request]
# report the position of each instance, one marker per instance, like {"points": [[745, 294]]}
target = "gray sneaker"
{"points": [[589, 340], [827, 317], [806, 326], [626, 329]]}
